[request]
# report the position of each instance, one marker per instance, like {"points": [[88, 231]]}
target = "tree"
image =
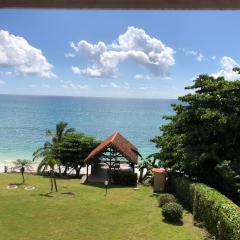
{"points": [[146, 165], [74, 148], [60, 132], [42, 153], [23, 164], [202, 139], [50, 161]]}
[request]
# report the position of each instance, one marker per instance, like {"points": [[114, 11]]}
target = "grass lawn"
{"points": [[122, 214]]}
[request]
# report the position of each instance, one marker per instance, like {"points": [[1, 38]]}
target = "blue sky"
{"points": [[142, 54]]}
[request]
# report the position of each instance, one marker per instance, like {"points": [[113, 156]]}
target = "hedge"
{"points": [[124, 178], [218, 213]]}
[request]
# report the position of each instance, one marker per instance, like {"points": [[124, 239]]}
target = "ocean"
{"points": [[23, 120]]}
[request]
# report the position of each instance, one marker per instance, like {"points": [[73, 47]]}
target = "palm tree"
{"points": [[42, 153], [50, 161], [23, 164], [61, 131]]}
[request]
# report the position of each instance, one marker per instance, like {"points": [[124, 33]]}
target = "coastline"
{"points": [[10, 165]]}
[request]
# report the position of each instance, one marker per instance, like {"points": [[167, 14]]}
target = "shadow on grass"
{"points": [[101, 185], [46, 194], [59, 176], [17, 184], [175, 223], [69, 193]]}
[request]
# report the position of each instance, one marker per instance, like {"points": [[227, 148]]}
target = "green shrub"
{"points": [[165, 198], [217, 213], [124, 178], [181, 187], [172, 211]]}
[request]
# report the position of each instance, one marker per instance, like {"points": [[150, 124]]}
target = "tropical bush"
{"points": [[217, 213], [172, 211], [22, 165], [67, 147], [124, 178], [202, 138], [165, 198]]}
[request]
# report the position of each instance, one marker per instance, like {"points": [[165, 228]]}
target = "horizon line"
{"points": [[71, 96]]}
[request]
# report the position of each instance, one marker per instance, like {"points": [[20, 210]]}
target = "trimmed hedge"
{"points": [[125, 178], [172, 211], [218, 213], [165, 198]]}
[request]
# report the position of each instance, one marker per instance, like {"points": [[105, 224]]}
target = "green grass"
{"points": [[122, 214]]}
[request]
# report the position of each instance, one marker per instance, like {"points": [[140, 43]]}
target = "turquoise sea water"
{"points": [[23, 119]]}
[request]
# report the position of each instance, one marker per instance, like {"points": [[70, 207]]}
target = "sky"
{"points": [[127, 54]]}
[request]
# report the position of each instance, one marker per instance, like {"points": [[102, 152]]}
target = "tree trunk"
{"points": [[77, 172], [22, 172], [65, 171], [55, 183], [51, 179], [78, 169], [141, 175], [23, 179], [59, 169]]}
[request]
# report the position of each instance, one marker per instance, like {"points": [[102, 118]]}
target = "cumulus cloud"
{"points": [[70, 85], [141, 77], [134, 45], [2, 82], [69, 55], [125, 85], [227, 65], [198, 56], [142, 88], [25, 59]]}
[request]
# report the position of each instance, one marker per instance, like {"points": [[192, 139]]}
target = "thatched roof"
{"points": [[120, 144]]}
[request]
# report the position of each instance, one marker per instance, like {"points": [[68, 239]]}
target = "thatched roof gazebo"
{"points": [[113, 152]]}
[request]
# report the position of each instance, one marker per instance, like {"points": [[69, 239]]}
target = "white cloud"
{"points": [[69, 55], [65, 86], [134, 45], [125, 85], [82, 86], [142, 88], [227, 64], [17, 53], [70, 85], [214, 57], [8, 73], [2, 82], [198, 56], [141, 77]]}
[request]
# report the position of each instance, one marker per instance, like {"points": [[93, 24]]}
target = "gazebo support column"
{"points": [[133, 167], [110, 166], [87, 172]]}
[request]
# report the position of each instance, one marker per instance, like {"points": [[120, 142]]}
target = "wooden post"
{"points": [[133, 167], [110, 166], [87, 172]]}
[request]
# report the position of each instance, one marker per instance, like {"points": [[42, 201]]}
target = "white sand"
{"points": [[10, 166]]}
